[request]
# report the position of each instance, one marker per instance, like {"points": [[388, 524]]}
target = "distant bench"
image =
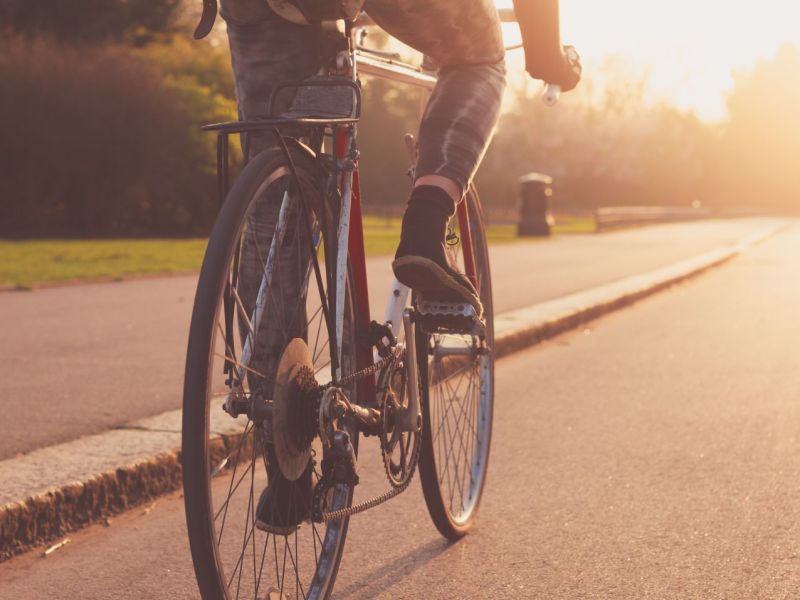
{"points": [[613, 217]]}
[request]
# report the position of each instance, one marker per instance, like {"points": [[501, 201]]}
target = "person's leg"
{"points": [[266, 50], [463, 37]]}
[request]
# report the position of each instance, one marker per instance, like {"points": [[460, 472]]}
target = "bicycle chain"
{"points": [[366, 505], [365, 372], [388, 495]]}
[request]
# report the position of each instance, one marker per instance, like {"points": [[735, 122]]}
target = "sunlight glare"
{"points": [[690, 48]]}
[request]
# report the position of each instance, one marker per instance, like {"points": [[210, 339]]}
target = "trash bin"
{"points": [[535, 218]]}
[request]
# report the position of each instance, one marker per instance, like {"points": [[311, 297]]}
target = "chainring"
{"points": [[399, 449]]}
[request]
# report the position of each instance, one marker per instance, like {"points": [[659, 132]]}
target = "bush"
{"points": [[200, 62], [98, 141]]}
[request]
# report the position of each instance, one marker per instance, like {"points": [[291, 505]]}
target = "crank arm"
{"points": [[368, 418], [410, 418]]}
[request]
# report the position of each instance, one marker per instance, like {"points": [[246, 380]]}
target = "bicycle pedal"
{"points": [[448, 317]]}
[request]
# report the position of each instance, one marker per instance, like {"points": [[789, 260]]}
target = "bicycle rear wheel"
{"points": [[259, 257], [457, 382]]}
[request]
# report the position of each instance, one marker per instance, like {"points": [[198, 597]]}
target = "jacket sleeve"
{"points": [[541, 36]]}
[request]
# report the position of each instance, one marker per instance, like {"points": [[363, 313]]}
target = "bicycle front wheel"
{"points": [[258, 290], [457, 381]]}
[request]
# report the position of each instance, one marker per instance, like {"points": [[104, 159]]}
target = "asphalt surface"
{"points": [[83, 359], [652, 455]]}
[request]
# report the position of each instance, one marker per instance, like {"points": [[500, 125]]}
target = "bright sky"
{"points": [[689, 47]]}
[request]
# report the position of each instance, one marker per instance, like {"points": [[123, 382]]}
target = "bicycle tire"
{"points": [[206, 456], [435, 467]]}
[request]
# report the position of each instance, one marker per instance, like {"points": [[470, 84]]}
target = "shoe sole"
{"points": [[432, 281]]}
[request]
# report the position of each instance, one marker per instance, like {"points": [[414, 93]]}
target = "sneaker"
{"points": [[284, 504], [421, 260]]}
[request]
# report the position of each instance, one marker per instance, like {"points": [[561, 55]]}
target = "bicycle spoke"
{"points": [[261, 565], [253, 515], [457, 434], [250, 532], [231, 489], [235, 362], [243, 314], [321, 350], [322, 366], [453, 400], [440, 388], [230, 351]]}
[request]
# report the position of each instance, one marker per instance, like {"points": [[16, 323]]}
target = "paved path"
{"points": [[83, 359], [652, 456]]}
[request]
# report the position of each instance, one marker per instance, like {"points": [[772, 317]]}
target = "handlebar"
{"points": [[551, 94]]}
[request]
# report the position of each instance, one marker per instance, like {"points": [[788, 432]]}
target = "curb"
{"points": [[108, 473], [48, 516], [526, 327]]}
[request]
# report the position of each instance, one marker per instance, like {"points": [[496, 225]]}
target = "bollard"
{"points": [[535, 218]]}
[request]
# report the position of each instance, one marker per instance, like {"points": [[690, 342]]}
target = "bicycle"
{"points": [[288, 241]]}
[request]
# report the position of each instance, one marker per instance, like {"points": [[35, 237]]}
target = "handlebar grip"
{"points": [[551, 94]]}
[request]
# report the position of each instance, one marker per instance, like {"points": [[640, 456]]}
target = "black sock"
{"points": [[425, 221], [433, 198]]}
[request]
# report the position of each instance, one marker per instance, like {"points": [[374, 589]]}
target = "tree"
{"points": [[98, 141], [603, 145], [757, 157], [90, 20], [389, 112]]}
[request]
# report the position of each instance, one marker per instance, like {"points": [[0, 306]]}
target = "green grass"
{"points": [[574, 224], [26, 263]]}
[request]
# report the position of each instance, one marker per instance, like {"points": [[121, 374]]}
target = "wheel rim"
{"points": [[252, 563]]}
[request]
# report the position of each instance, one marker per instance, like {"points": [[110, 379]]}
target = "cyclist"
{"points": [[272, 41], [277, 40]]}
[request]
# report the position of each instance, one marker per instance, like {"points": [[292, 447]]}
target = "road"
{"points": [[80, 360], [652, 455]]}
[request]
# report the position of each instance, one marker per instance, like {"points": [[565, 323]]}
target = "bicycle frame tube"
{"points": [[355, 247], [466, 243], [387, 68], [343, 237]]}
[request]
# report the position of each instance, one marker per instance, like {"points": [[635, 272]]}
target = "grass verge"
{"points": [[24, 264]]}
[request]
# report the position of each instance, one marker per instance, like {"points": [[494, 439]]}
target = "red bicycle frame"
{"points": [[358, 262]]}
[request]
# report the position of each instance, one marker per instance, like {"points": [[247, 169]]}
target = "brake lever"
{"points": [[552, 92]]}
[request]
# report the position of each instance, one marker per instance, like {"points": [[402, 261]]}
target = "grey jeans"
{"points": [[463, 37]]}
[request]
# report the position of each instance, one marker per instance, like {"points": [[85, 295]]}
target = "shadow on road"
{"points": [[385, 576]]}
